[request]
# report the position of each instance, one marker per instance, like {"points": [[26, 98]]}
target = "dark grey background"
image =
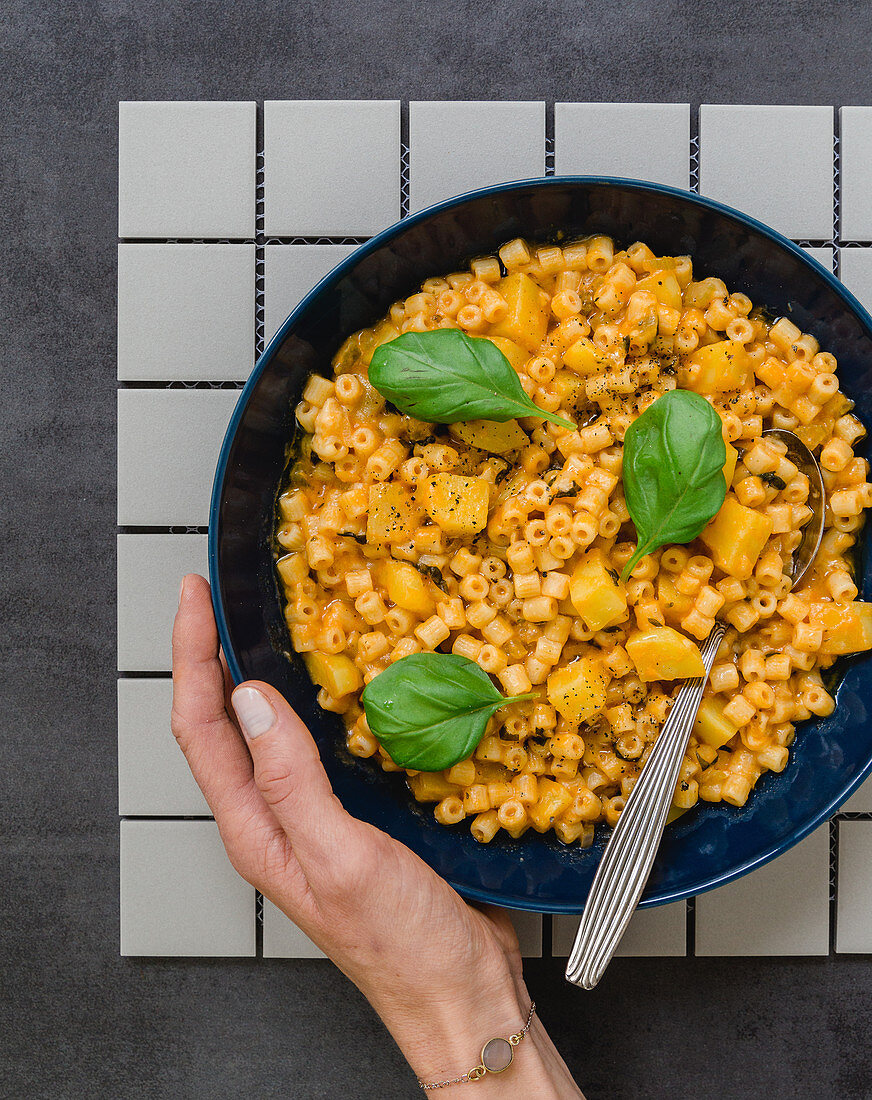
{"points": [[76, 1020]]}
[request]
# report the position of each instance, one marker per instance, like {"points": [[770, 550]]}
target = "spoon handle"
{"points": [[629, 854]]}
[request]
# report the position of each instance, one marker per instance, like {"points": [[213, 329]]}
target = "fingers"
{"points": [[215, 752], [287, 768]]}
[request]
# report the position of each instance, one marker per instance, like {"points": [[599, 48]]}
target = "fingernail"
{"points": [[182, 589], [254, 711]]}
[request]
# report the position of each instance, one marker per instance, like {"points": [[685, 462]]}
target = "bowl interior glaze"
{"points": [[711, 844]]}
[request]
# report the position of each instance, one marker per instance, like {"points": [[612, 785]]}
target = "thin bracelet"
{"points": [[497, 1055]]}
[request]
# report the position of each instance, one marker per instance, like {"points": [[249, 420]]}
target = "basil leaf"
{"points": [[429, 710], [674, 456], [446, 376]]}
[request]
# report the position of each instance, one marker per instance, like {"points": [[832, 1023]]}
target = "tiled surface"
{"points": [[290, 272], [331, 167], [854, 888], [457, 147], [649, 141], [855, 168], [179, 893], [775, 163], [168, 443], [282, 939], [185, 312], [661, 931], [150, 571], [186, 169], [781, 909], [153, 778], [855, 271]]}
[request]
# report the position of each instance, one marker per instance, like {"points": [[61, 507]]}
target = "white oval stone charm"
{"points": [[497, 1055]]}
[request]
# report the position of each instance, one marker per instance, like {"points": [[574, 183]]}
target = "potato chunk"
{"points": [[458, 504], [405, 586], [584, 357], [516, 355], [730, 464], [597, 595], [847, 628], [736, 537], [661, 653], [393, 513], [334, 672], [711, 727], [578, 690], [554, 799], [664, 286], [722, 366], [527, 319], [488, 435]]}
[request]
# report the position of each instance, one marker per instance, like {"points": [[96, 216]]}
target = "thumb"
{"points": [[287, 768]]}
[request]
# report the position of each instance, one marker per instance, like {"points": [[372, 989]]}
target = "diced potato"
{"points": [[334, 672], [674, 603], [584, 357], [736, 537], [383, 334], [393, 513], [516, 355], [488, 435], [813, 435], [598, 597], [847, 628], [527, 319], [554, 799], [664, 286], [723, 366], [458, 504], [405, 586], [569, 387], [730, 464], [711, 727], [431, 786], [578, 690], [661, 653]]}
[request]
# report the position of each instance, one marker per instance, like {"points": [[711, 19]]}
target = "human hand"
{"points": [[438, 971]]}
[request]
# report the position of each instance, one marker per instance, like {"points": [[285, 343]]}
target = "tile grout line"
{"points": [[259, 255]]}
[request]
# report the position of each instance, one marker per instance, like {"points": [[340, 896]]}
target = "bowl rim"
{"points": [[351, 261]]}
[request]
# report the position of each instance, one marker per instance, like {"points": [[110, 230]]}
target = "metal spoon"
{"points": [[629, 855]]}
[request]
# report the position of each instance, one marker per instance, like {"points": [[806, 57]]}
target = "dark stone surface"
{"points": [[78, 1021]]}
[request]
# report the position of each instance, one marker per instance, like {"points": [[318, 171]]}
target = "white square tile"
{"points": [[150, 571], [154, 779], [290, 272], [331, 167], [855, 271], [648, 141], [652, 933], [168, 444], [456, 147], [781, 909], [855, 169], [185, 312], [823, 255], [854, 888], [775, 163], [282, 939], [179, 893], [528, 927], [186, 169], [860, 801]]}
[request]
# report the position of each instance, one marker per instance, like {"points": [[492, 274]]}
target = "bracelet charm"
{"points": [[497, 1055]]}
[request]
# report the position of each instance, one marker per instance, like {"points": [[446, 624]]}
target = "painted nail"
{"points": [[253, 711]]}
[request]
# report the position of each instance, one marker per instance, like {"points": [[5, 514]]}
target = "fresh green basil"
{"points": [[674, 456], [445, 376], [429, 710]]}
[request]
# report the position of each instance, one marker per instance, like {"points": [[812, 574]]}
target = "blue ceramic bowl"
{"points": [[710, 845]]}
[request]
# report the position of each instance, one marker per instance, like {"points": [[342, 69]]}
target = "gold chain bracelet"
{"points": [[497, 1055]]}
